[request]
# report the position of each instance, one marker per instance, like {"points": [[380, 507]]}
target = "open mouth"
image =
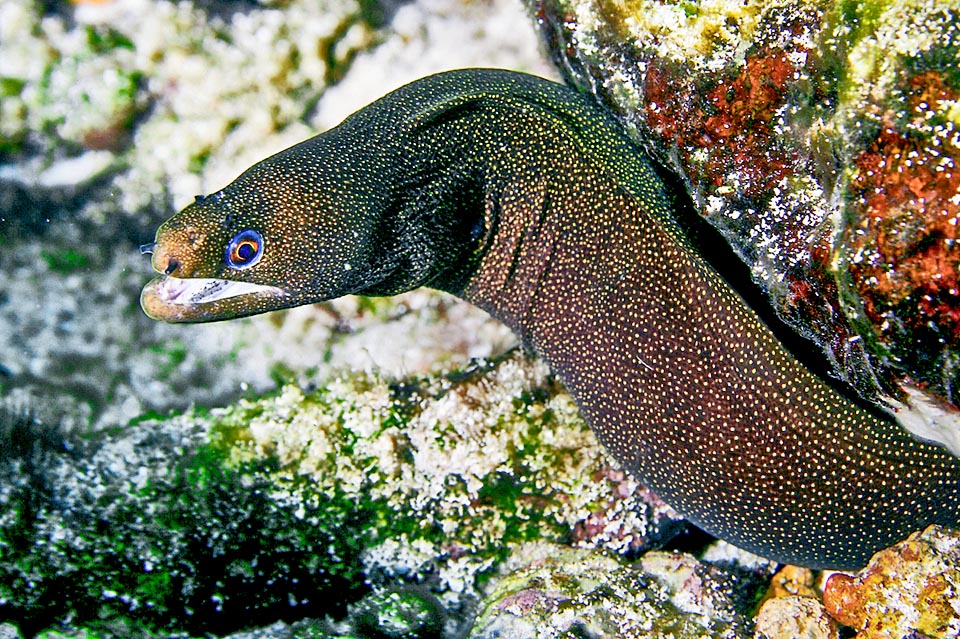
{"points": [[203, 290], [173, 299]]}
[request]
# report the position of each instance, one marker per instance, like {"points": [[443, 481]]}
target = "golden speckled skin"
{"points": [[523, 198]]}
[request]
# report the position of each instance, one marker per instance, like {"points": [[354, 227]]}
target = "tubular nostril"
{"points": [[147, 249], [172, 266]]}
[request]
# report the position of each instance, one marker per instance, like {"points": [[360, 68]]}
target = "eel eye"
{"points": [[245, 249]]}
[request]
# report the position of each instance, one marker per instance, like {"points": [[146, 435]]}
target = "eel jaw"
{"points": [[174, 299]]}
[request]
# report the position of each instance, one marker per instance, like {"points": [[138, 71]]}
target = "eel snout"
{"points": [[178, 295]]}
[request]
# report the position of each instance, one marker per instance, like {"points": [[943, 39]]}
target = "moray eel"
{"points": [[521, 196]]}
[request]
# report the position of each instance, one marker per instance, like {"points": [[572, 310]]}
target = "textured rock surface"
{"points": [[293, 505], [794, 617], [569, 593], [821, 139], [791, 608], [790, 581], [910, 589]]}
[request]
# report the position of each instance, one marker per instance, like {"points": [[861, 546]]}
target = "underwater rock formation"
{"points": [[910, 589], [569, 592], [821, 140], [216, 520]]}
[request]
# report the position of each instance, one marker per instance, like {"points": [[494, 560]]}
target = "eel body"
{"points": [[522, 197]]}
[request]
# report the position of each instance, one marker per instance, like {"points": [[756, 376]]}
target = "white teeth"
{"points": [[173, 290]]}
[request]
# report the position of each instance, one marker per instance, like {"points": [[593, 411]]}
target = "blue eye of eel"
{"points": [[244, 250], [523, 197]]}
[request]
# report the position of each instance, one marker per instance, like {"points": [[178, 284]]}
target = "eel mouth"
{"points": [[201, 299]]}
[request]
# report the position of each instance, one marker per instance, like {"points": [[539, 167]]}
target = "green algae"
{"points": [[81, 113], [398, 613], [201, 546], [274, 506], [859, 19], [65, 261], [349, 450], [173, 354]]}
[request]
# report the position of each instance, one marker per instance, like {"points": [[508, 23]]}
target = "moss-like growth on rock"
{"points": [[272, 508]]}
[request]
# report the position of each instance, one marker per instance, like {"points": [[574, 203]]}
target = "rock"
{"points": [[789, 581], [791, 608], [9, 631], [155, 82], [794, 617], [910, 589], [293, 505], [567, 592], [399, 613], [820, 139]]}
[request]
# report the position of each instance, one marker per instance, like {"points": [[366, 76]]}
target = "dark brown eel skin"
{"points": [[521, 196]]}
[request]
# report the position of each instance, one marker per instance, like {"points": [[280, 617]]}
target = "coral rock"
{"points": [[794, 617], [568, 592], [791, 580], [285, 506], [821, 140], [910, 589]]}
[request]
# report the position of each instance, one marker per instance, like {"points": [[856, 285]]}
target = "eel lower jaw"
{"points": [[173, 299]]}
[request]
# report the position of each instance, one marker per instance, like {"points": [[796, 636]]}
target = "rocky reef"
{"points": [[820, 138], [910, 588], [297, 504], [390, 468]]}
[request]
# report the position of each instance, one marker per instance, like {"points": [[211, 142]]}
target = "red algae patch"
{"points": [[821, 141], [906, 206]]}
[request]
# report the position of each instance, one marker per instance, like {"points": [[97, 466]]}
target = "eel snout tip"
{"points": [[162, 261]]}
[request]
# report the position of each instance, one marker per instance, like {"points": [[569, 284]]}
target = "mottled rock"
{"points": [[154, 82], [821, 139], [791, 580], [910, 589], [293, 505], [567, 592], [616, 523], [791, 608], [794, 617]]}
